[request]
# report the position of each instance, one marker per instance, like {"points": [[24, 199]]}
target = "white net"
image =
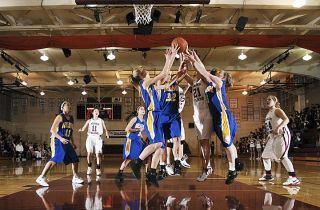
{"points": [[143, 13]]}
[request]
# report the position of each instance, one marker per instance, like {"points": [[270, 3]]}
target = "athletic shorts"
{"points": [[63, 152], [277, 146], [153, 127], [171, 127], [94, 142], [225, 127], [132, 148], [204, 126]]}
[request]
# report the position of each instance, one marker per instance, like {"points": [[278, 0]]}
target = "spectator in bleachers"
{"points": [[19, 151]]}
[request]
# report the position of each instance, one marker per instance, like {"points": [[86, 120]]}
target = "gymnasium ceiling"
{"points": [[64, 17]]}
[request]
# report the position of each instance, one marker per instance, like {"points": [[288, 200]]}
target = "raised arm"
{"points": [[170, 55], [189, 79], [198, 65], [186, 89]]}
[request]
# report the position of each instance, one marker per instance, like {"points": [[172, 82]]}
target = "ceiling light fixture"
{"points": [[245, 92], [84, 92], [178, 15], [198, 15], [70, 82], [298, 3], [263, 82], [111, 56], [307, 57], [241, 23], [44, 57], [96, 14], [242, 56], [120, 82]]}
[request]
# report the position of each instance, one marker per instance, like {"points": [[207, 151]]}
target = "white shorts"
{"points": [[277, 146], [94, 142], [204, 126]]}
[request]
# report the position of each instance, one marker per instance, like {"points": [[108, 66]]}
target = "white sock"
{"points": [[267, 164], [232, 166]]}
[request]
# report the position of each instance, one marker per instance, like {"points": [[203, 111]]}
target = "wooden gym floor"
{"points": [[19, 191]]}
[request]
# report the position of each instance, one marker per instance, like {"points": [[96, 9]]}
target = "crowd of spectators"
{"points": [[13, 146], [304, 127]]}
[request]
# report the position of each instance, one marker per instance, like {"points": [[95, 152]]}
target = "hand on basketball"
{"points": [[64, 141], [171, 52]]}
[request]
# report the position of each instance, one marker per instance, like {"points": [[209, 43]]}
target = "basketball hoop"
{"points": [[143, 13]]}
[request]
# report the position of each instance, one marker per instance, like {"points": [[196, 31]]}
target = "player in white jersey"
{"points": [[203, 122], [94, 140], [252, 146], [258, 146], [278, 142]]}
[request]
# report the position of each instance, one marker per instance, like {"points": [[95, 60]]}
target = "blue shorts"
{"points": [[225, 127], [63, 152], [132, 148], [153, 127], [171, 126]]}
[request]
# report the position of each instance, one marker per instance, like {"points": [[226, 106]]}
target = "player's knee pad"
{"points": [[182, 142]]}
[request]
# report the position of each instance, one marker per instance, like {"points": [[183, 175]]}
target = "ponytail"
{"points": [[226, 76], [134, 78]]}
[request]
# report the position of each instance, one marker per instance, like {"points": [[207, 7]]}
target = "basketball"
{"points": [[181, 42]]}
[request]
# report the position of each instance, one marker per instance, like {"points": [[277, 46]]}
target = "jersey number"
{"points": [[94, 128], [171, 97], [196, 93], [68, 133]]}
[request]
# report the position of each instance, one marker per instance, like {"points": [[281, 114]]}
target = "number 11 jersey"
{"points": [[95, 127]]}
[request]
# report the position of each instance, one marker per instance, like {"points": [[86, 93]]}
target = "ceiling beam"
{"points": [[307, 68], [157, 25], [70, 4]]}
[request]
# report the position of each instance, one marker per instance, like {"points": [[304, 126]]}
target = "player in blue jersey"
{"points": [[146, 85], [133, 144], [171, 120], [224, 124], [62, 145]]}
